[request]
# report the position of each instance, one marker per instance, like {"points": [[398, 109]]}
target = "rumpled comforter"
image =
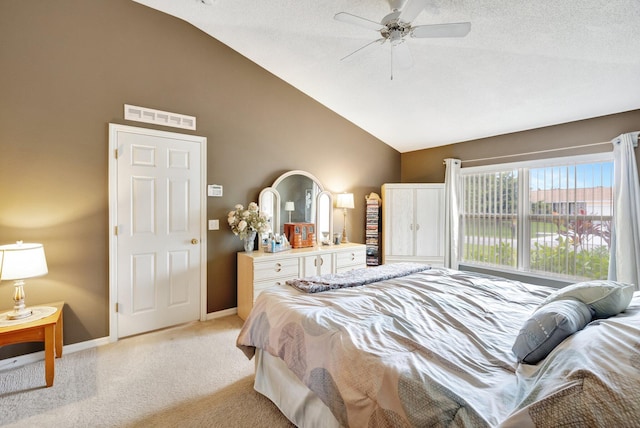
{"points": [[434, 349], [355, 277]]}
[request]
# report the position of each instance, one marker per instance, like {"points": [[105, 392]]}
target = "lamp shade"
{"points": [[344, 200], [289, 206], [20, 261]]}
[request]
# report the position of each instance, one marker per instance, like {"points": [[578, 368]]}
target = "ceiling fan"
{"points": [[397, 26]]}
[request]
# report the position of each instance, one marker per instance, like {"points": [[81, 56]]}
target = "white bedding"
{"points": [[297, 402], [435, 348]]}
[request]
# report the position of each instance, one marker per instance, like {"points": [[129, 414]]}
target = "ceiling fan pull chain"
{"points": [[391, 50]]}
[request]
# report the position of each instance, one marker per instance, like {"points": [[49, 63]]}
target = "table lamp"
{"points": [[289, 206], [344, 201], [17, 262]]}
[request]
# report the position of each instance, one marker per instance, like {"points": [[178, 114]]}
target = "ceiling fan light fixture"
{"points": [[396, 37]]}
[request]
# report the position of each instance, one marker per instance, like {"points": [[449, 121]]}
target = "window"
{"points": [[550, 218]]}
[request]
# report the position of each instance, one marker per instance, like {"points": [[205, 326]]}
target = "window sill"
{"points": [[527, 277]]}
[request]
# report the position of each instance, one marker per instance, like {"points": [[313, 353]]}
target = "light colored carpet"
{"points": [[189, 376]]}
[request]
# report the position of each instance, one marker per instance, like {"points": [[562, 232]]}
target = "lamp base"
{"points": [[344, 239], [19, 310], [18, 315]]}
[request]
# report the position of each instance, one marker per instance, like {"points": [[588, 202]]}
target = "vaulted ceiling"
{"points": [[523, 65]]}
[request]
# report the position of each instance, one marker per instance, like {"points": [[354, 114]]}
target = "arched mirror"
{"points": [[298, 197]]}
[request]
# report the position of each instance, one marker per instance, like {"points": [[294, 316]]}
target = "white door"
{"points": [[157, 221]]}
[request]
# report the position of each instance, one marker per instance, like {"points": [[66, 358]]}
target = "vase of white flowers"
{"points": [[246, 223]]}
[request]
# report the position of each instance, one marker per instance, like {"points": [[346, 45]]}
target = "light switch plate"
{"points": [[214, 224]]}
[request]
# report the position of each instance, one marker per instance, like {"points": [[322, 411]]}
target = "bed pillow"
{"points": [[548, 327], [607, 298]]}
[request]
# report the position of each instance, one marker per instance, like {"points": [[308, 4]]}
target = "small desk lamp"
{"points": [[344, 201], [19, 261], [289, 206]]}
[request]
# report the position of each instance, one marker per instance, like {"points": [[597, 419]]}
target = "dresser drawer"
{"points": [[275, 269], [260, 286], [351, 258]]}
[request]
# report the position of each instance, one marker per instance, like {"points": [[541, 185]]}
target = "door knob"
{"points": [[194, 241]]}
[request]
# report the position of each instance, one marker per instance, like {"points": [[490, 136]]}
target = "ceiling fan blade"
{"points": [[357, 20], [411, 10], [459, 29], [381, 40]]}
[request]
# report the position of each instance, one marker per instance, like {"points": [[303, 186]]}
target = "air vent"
{"points": [[159, 117]]}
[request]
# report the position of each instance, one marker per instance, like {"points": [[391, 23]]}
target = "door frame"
{"points": [[113, 209]]}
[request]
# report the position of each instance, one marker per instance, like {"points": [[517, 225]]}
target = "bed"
{"points": [[436, 347]]}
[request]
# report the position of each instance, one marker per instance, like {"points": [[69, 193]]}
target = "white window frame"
{"points": [[522, 270]]}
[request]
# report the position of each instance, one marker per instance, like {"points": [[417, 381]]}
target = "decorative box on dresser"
{"points": [[413, 223], [260, 270]]}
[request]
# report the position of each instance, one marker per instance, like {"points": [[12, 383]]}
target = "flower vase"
{"points": [[249, 241]]}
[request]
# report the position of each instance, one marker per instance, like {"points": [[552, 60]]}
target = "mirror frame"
{"points": [[319, 201]]}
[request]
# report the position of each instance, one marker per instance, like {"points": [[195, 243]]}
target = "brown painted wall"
{"points": [[66, 69], [425, 166]]}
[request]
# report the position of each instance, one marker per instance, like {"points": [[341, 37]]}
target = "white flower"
{"points": [[242, 222]]}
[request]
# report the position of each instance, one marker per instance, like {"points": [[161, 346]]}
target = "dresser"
{"points": [[260, 270]]}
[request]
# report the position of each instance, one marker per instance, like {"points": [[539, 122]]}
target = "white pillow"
{"points": [[607, 298]]}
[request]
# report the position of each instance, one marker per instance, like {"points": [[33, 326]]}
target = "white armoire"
{"points": [[413, 223]]}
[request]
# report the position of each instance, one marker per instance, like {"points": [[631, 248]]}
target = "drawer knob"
{"points": [[278, 267]]}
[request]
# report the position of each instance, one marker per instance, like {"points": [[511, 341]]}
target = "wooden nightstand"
{"points": [[47, 330]]}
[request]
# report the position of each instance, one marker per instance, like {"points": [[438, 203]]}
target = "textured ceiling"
{"points": [[524, 65]]}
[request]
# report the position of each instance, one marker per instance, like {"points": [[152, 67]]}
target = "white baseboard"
{"points": [[21, 360]]}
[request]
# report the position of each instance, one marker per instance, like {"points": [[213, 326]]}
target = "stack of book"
{"points": [[373, 225]]}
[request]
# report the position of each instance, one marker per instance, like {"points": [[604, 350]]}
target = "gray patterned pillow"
{"points": [[548, 327]]}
